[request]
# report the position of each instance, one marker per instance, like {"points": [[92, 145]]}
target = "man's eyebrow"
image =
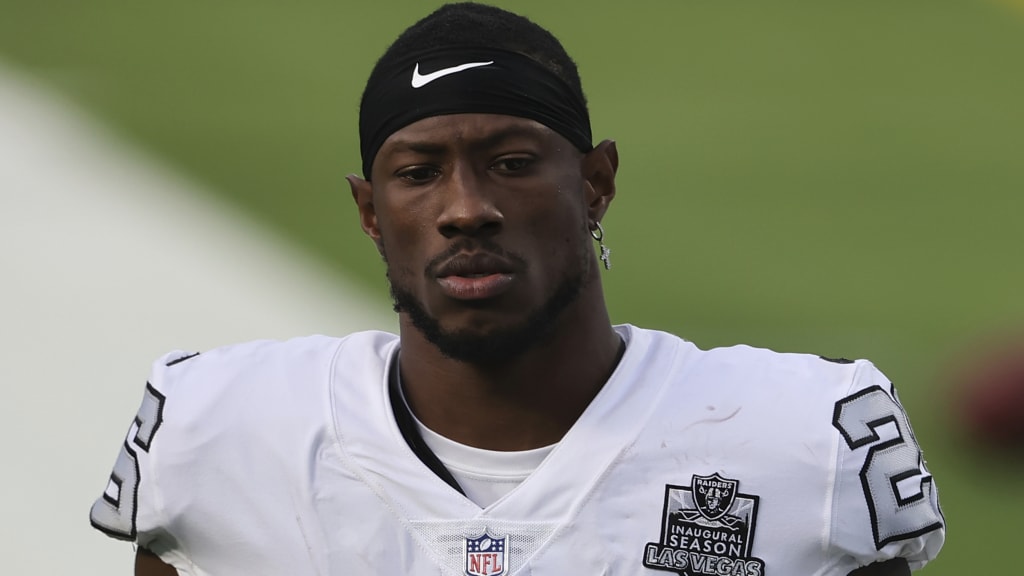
{"points": [[427, 146], [415, 145], [509, 132]]}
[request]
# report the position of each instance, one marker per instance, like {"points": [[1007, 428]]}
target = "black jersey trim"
{"points": [[410, 432], [182, 359]]}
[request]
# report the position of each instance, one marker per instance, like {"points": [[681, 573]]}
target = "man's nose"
{"points": [[469, 204]]}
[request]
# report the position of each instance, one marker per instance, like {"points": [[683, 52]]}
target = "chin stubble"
{"points": [[495, 346]]}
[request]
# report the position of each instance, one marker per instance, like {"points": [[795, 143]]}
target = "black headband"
{"points": [[456, 80]]}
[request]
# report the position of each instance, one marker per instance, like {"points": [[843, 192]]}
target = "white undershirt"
{"points": [[484, 475]]}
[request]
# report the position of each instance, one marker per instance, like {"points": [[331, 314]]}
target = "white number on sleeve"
{"points": [[114, 512], [896, 483]]}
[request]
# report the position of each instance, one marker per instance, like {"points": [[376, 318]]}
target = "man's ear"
{"points": [[362, 193], [599, 168]]}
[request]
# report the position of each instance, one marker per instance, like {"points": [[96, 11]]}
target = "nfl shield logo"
{"points": [[713, 495], [486, 555]]}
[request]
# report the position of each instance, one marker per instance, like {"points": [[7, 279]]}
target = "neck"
{"points": [[525, 402]]}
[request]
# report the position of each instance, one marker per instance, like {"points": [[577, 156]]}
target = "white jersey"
{"points": [[274, 458]]}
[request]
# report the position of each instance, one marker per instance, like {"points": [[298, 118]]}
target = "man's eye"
{"points": [[512, 163], [418, 173]]}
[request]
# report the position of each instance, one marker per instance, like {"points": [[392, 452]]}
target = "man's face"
{"points": [[483, 222]]}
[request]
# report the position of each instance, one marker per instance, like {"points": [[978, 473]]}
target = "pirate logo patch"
{"points": [[713, 495], [707, 528], [486, 555]]}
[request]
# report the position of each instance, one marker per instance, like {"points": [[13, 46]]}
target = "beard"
{"points": [[501, 344]]}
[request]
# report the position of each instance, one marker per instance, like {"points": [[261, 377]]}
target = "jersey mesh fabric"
{"points": [[447, 539], [284, 458]]}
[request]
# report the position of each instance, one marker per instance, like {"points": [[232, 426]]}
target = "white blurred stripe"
{"points": [[107, 260]]}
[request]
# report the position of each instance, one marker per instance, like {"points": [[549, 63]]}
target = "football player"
{"points": [[509, 428]]}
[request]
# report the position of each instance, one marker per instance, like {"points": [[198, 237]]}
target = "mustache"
{"points": [[474, 246]]}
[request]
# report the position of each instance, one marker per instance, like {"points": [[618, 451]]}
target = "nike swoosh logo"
{"points": [[421, 80]]}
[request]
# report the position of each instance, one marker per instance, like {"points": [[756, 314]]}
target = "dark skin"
{"points": [[513, 182], [149, 564], [478, 180]]}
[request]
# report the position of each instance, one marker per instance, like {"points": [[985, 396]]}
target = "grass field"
{"points": [[841, 178]]}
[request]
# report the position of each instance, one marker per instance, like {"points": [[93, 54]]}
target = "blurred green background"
{"points": [[841, 178]]}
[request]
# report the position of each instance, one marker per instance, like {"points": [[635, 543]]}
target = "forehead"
{"points": [[456, 130]]}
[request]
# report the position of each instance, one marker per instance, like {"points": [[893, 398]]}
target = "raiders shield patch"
{"points": [[486, 555], [707, 528]]}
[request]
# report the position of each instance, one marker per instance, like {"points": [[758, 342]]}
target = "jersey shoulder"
{"points": [[205, 411], [733, 372], [252, 367], [882, 502], [186, 370], [805, 374]]}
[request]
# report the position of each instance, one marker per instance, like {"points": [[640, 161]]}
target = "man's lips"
{"points": [[475, 276], [478, 264], [475, 287]]}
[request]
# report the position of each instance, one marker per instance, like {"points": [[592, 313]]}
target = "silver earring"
{"points": [[598, 233]]}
